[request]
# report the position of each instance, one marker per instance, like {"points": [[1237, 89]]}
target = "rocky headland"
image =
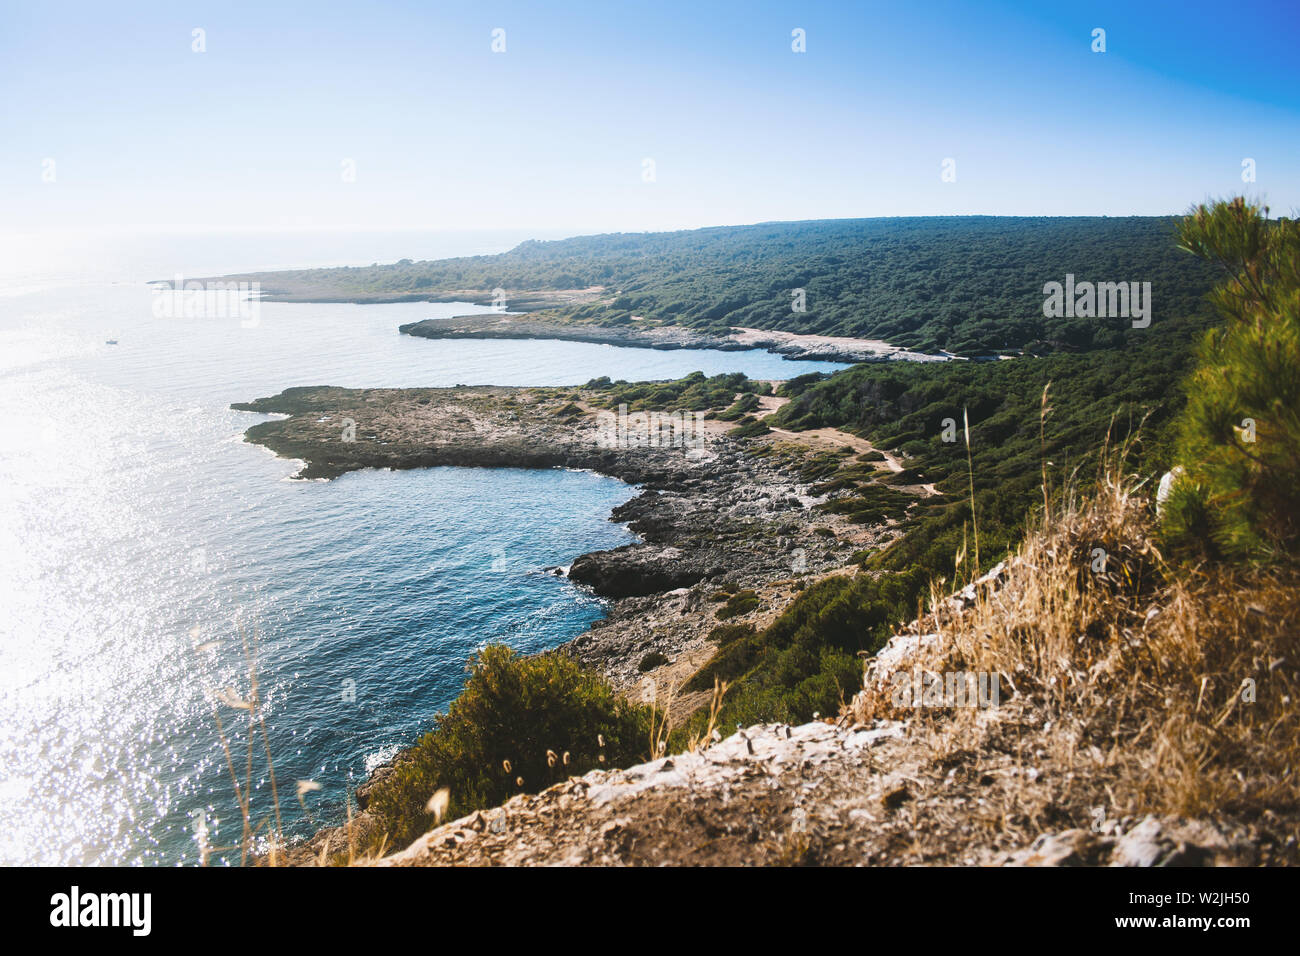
{"points": [[727, 515]]}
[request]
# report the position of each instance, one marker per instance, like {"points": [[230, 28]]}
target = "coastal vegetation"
{"points": [[1032, 424], [521, 724], [742, 602], [929, 413], [695, 392], [971, 285], [1146, 688]]}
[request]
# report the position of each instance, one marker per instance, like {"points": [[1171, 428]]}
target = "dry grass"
{"points": [[664, 707], [1148, 691], [710, 733], [270, 828], [263, 843]]}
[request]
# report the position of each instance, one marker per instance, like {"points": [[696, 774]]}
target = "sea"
{"points": [[148, 553]]}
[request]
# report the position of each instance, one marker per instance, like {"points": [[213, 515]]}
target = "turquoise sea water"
{"points": [[136, 524]]}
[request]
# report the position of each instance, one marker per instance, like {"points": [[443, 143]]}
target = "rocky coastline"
{"points": [[650, 335], [726, 515]]}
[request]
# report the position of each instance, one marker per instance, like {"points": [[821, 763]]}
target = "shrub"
{"points": [[518, 710], [806, 661], [695, 392], [738, 649], [651, 661], [742, 406], [742, 602], [749, 427], [1239, 436], [873, 504]]}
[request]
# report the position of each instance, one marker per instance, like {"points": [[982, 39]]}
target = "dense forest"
{"points": [[970, 285]]}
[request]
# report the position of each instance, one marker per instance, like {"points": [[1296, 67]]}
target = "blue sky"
{"points": [[552, 134]]}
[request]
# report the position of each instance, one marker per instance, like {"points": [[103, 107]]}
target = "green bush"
{"points": [[738, 648], [652, 660], [742, 406], [742, 602], [513, 709], [749, 427], [806, 661], [872, 504], [695, 392]]}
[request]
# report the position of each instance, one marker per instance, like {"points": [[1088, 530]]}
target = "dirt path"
{"points": [[769, 404], [831, 438], [819, 439]]}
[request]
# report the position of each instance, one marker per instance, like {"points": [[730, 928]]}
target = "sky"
{"points": [[619, 116]]}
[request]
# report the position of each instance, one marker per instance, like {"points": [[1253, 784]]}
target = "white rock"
{"points": [[1167, 485]]}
